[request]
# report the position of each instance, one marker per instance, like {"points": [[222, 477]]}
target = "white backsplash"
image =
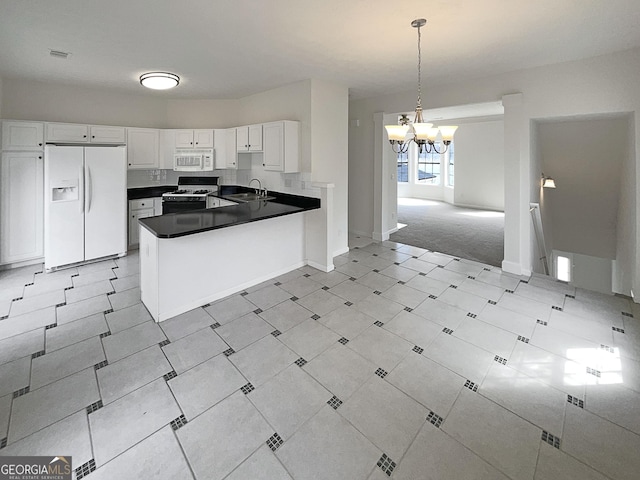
{"points": [[150, 178], [294, 183]]}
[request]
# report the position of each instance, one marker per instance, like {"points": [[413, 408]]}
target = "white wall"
{"points": [[329, 147], [584, 157], [202, 113], [601, 85], [479, 165], [626, 248], [30, 100]]}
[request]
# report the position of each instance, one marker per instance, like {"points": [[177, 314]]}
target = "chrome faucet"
{"points": [[259, 190]]}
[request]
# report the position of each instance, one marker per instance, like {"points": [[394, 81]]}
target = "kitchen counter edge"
{"points": [[174, 225]]}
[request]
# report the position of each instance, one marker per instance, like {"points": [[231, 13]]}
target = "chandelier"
{"points": [[423, 134]]}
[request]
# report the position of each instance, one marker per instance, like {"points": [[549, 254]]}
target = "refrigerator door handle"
{"points": [[89, 189], [81, 188]]}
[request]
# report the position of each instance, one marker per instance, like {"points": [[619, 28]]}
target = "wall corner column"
{"points": [[517, 224], [319, 230]]}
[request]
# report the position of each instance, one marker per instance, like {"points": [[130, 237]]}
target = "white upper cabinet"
{"points": [[77, 133], [143, 148], [231, 153], [67, 132], [194, 138], [281, 152], [220, 148], [249, 138], [101, 134], [22, 136]]}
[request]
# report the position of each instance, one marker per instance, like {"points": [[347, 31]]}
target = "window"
{"points": [[428, 168], [563, 268], [403, 167], [450, 165]]}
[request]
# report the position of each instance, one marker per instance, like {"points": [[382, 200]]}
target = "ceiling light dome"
{"points": [[159, 80]]}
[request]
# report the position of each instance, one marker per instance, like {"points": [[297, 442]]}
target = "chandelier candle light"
{"points": [[424, 134]]}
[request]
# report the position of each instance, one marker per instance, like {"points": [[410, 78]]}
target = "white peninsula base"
{"points": [[182, 273]]}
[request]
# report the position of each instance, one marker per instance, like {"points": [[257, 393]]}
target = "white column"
{"points": [[319, 230], [517, 223]]}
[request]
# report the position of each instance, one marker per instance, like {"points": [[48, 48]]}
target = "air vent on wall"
{"points": [[59, 53]]}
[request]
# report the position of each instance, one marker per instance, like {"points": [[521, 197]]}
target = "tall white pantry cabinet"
{"points": [[21, 192]]}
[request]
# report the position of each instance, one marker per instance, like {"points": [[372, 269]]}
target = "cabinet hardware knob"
{"points": [[39, 144], [84, 136], [129, 164], [93, 136], [39, 158], [263, 165]]}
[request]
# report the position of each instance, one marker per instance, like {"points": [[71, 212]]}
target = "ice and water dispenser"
{"points": [[64, 190]]}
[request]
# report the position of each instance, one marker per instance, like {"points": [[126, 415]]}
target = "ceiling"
{"points": [[232, 48]]}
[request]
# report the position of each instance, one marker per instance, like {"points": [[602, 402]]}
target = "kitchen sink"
{"points": [[248, 197]]}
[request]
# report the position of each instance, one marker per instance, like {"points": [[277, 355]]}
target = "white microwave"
{"points": [[193, 160]]}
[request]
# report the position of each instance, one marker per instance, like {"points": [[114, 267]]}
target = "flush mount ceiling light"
{"points": [[423, 134], [548, 182], [159, 80]]}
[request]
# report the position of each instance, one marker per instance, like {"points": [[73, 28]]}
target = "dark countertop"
{"points": [[149, 192], [174, 225]]}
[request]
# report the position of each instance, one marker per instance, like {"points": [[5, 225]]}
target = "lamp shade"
{"points": [[159, 80], [432, 134], [447, 133], [549, 183], [422, 130], [397, 133]]}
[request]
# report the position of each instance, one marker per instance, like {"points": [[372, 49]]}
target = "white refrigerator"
{"points": [[85, 204]]}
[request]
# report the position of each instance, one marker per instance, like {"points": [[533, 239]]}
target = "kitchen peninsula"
{"points": [[193, 258]]}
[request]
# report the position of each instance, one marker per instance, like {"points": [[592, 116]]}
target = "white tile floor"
{"points": [[401, 363]]}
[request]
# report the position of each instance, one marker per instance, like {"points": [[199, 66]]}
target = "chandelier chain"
{"points": [[419, 69]]}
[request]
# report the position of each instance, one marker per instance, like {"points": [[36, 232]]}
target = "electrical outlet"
{"points": [[287, 182], [303, 185]]}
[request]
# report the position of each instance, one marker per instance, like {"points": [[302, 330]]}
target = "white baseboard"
{"points": [[359, 234], [512, 267], [477, 207], [322, 268]]}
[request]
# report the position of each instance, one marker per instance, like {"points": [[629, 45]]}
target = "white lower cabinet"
{"points": [[22, 211], [141, 208]]}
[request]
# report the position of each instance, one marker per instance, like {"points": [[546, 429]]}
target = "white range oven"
{"points": [[193, 193]]}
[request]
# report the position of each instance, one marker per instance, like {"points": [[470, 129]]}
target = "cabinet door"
{"points": [[281, 147], [134, 228], [67, 132], [100, 134], [157, 206], [220, 148], [22, 136], [273, 156], [22, 213], [242, 139], [255, 138], [184, 138], [232, 153], [143, 148], [167, 148], [203, 138]]}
